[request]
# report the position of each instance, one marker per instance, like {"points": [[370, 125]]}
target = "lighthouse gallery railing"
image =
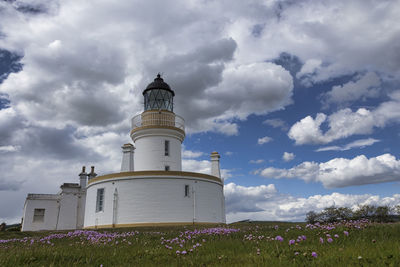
{"points": [[158, 118]]}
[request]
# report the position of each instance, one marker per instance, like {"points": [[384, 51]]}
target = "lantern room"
{"points": [[158, 96]]}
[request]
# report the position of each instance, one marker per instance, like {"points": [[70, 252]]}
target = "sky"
{"points": [[300, 98]]}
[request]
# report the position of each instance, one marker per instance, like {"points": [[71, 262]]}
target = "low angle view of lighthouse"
{"points": [[150, 189]]}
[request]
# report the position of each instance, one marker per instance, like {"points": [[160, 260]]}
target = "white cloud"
{"points": [[288, 156], [341, 172], [265, 203], [355, 144], [258, 161], [366, 86], [188, 154], [203, 166], [264, 140], [277, 123], [345, 123], [85, 64], [4, 149]]}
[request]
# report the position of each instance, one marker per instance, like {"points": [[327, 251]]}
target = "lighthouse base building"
{"points": [[151, 188]]}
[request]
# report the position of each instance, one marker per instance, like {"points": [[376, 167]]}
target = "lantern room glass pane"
{"points": [[158, 99]]}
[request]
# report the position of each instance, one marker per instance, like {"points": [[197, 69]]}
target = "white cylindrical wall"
{"points": [[156, 200], [150, 153]]}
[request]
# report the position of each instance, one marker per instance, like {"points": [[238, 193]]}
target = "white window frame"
{"points": [[38, 215], [100, 199]]}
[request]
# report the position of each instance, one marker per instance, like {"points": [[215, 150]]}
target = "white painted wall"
{"points": [[127, 164], [156, 200], [150, 151], [63, 211], [50, 216]]}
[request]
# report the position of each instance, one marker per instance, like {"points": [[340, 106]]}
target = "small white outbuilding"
{"points": [[151, 188]]}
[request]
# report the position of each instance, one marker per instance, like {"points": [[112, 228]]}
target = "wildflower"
{"points": [[184, 252], [291, 242], [346, 233], [337, 236], [178, 252], [321, 240], [373, 240], [296, 253], [314, 254], [330, 240], [359, 257], [279, 238]]}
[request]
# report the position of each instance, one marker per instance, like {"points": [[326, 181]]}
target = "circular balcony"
{"points": [[160, 118]]}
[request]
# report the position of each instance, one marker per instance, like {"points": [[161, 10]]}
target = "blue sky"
{"points": [[300, 98]]}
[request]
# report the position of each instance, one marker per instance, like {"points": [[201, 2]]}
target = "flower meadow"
{"points": [[348, 243]]}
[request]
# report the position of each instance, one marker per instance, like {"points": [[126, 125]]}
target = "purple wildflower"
{"points": [[321, 240], [291, 242], [279, 238], [314, 254], [346, 233], [330, 240]]}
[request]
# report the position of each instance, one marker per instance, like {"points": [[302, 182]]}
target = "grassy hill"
{"points": [[354, 243]]}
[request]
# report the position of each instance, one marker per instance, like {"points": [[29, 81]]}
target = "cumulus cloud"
{"points": [[85, 64], [355, 144], [363, 87], [288, 156], [264, 140], [345, 123], [341, 172], [245, 199], [264, 202]]}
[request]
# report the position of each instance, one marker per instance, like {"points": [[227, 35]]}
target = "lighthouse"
{"points": [[151, 188], [158, 132]]}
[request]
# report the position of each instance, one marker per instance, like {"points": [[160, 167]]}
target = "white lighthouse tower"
{"points": [[151, 188], [158, 132]]}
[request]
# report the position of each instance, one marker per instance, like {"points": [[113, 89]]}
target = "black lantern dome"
{"points": [[158, 96]]}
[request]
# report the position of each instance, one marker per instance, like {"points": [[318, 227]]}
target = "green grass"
{"points": [[253, 245]]}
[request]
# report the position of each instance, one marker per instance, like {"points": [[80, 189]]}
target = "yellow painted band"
{"points": [[155, 173], [125, 225]]}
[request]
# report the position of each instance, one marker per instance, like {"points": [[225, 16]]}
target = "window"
{"points": [[100, 200], [166, 144], [38, 215], [186, 190], [166, 167]]}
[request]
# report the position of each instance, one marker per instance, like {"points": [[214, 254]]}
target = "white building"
{"points": [[151, 188]]}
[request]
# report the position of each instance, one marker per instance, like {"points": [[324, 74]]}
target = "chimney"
{"points": [[92, 174], [127, 164], [83, 178], [215, 171]]}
